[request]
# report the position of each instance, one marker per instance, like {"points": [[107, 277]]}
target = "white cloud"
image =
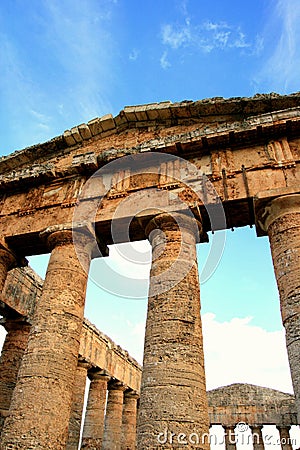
{"points": [[206, 36], [77, 43], [164, 61], [281, 68], [133, 55], [78, 34], [175, 37], [239, 352], [235, 352]]}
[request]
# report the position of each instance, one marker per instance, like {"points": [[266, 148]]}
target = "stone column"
{"points": [[230, 438], [12, 353], [41, 403], [113, 417], [129, 420], [285, 439], [280, 218], [173, 404], [7, 262], [77, 405], [93, 429], [257, 437]]}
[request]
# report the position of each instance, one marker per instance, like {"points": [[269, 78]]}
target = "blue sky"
{"points": [[64, 62]]}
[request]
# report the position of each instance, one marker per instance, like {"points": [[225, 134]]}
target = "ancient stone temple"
{"points": [[170, 173]]}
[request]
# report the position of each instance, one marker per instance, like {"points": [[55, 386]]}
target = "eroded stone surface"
{"points": [[173, 393], [41, 403], [113, 417], [129, 418], [95, 411], [77, 405], [282, 222], [11, 356]]}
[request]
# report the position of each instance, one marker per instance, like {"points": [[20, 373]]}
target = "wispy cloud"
{"points": [[204, 37], [78, 34], [164, 60], [67, 77], [281, 67], [133, 55]]}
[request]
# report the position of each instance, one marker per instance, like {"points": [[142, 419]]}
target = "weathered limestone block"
{"points": [[93, 429], [173, 392], [113, 417], [77, 405], [41, 403], [129, 420], [281, 220], [11, 356], [257, 437]]}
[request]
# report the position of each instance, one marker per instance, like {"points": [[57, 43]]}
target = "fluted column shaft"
{"points": [[173, 403], [129, 421], [12, 353], [77, 405], [257, 437], [285, 440], [282, 223], [113, 417], [93, 428], [230, 438], [41, 403]]}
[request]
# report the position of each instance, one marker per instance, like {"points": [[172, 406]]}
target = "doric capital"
{"points": [[13, 324], [99, 375], [174, 222], [131, 394], [268, 210], [115, 385], [82, 364], [283, 428], [7, 256], [80, 234], [255, 428]]}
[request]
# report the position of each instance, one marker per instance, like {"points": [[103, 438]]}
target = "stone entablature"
{"points": [[234, 113], [243, 146]]}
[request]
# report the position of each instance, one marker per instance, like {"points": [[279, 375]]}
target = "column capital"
{"points": [[13, 323], [115, 385], [255, 426], [7, 255], [131, 394], [267, 210], [82, 233], [229, 427], [175, 222], [83, 364], [96, 375], [283, 427]]}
